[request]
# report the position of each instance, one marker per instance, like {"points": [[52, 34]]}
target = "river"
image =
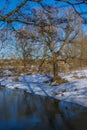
{"points": [[23, 111]]}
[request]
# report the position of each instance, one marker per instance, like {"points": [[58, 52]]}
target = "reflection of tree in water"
{"points": [[49, 112], [42, 109], [38, 112]]}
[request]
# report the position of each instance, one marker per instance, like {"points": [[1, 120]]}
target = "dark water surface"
{"points": [[23, 111]]}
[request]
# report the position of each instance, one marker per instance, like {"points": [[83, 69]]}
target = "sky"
{"points": [[13, 3]]}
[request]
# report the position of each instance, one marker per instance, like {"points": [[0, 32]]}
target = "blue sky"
{"points": [[13, 3]]}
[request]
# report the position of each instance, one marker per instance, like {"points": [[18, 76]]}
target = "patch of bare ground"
{"points": [[15, 79], [57, 81]]}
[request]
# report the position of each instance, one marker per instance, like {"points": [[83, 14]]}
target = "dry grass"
{"points": [[58, 80], [15, 79]]}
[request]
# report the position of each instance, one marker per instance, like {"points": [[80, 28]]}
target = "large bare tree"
{"points": [[57, 35]]}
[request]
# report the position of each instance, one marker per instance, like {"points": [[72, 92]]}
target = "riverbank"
{"points": [[75, 90]]}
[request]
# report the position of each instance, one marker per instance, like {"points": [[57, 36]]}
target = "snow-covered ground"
{"points": [[75, 90]]}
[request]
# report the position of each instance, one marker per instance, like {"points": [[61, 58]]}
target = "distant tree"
{"points": [[24, 44]]}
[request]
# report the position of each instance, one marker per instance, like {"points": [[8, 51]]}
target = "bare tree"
{"points": [[24, 45], [57, 36]]}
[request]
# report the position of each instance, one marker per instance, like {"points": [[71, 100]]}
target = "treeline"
{"points": [[55, 42]]}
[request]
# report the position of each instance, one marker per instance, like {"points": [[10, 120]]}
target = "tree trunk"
{"points": [[55, 67], [55, 70], [24, 62]]}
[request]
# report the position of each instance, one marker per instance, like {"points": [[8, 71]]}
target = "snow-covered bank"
{"points": [[73, 91]]}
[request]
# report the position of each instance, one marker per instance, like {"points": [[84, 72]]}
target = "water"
{"points": [[23, 111]]}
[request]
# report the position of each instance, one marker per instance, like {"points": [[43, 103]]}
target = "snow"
{"points": [[75, 90], [7, 72], [70, 76]]}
